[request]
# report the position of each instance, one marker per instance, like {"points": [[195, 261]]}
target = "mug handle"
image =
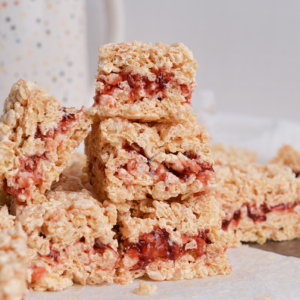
{"points": [[115, 20]]}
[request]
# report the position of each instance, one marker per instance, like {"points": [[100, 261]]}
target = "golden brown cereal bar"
{"points": [[70, 239], [13, 264], [131, 161], [37, 139], [171, 240], [260, 202], [140, 82]]}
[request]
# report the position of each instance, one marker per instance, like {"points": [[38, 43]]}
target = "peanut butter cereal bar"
{"points": [[13, 264], [130, 161], [70, 239], [260, 202], [140, 82], [171, 240], [37, 139], [288, 156]]}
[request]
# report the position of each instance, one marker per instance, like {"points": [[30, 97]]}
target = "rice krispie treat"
{"points": [[13, 266], [140, 82], [288, 156], [260, 202], [171, 240], [37, 139], [222, 156], [70, 239], [132, 161]]}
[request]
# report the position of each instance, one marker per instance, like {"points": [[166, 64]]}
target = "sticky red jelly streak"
{"points": [[138, 83], [157, 245]]}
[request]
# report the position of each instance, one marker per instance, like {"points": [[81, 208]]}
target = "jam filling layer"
{"points": [[192, 165], [98, 247], [62, 127], [28, 173], [39, 272], [157, 245], [139, 83], [257, 214]]}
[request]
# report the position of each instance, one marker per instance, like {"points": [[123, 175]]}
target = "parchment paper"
{"points": [[256, 274]]}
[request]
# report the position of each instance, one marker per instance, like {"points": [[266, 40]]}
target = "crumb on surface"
{"points": [[145, 289]]}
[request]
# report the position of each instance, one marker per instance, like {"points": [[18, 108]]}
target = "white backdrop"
{"points": [[248, 50]]}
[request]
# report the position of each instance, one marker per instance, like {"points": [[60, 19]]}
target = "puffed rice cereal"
{"points": [[37, 139], [70, 240], [260, 202], [130, 160], [140, 82], [171, 240]]}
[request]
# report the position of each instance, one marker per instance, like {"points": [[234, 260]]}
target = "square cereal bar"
{"points": [[70, 239], [288, 156], [132, 161], [171, 240], [38, 138], [260, 202], [140, 82], [13, 266]]}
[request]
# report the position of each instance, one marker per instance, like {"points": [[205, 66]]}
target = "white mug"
{"points": [[46, 41]]}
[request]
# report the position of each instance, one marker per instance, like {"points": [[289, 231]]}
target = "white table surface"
{"points": [[256, 275]]}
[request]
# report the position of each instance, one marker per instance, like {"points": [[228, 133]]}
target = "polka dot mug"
{"points": [[47, 41]]}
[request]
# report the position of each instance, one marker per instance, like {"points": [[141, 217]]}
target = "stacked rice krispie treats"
{"points": [[140, 205], [260, 202], [149, 158]]}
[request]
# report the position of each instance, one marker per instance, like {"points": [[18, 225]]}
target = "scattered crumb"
{"points": [[145, 289], [268, 298]]}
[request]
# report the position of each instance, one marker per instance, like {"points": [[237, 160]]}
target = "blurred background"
{"points": [[247, 50]]}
